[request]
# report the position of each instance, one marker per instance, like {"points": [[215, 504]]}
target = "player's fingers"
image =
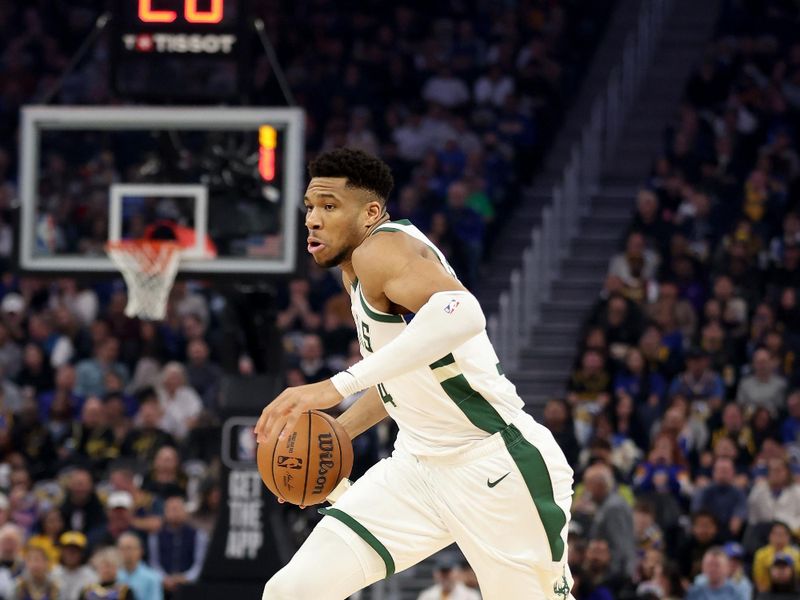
{"points": [[272, 414], [262, 420], [281, 500], [291, 421]]}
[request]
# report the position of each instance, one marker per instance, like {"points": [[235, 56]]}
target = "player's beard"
{"points": [[336, 260]]}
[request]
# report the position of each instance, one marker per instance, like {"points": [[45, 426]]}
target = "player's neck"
{"points": [[347, 265]]}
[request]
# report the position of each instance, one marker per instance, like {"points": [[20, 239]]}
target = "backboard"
{"points": [[231, 178]]}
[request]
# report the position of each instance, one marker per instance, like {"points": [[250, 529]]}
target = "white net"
{"points": [[149, 268]]}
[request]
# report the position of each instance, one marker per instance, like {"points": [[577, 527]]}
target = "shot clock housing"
{"points": [[180, 51]]}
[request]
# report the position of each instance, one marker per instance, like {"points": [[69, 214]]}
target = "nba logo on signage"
{"points": [[246, 444]]}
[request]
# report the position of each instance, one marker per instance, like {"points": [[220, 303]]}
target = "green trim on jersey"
{"points": [[377, 316], [364, 534], [526, 456], [433, 248]]}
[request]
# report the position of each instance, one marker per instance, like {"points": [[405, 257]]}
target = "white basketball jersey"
{"points": [[460, 398]]}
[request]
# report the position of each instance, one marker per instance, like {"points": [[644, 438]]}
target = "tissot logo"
{"points": [[179, 43], [325, 444]]}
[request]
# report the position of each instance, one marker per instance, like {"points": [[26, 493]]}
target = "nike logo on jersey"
{"points": [[491, 484]]}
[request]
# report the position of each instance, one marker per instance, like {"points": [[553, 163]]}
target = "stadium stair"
{"points": [[544, 367]]}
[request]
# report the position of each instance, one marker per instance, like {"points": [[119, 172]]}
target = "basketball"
{"points": [[305, 466]]}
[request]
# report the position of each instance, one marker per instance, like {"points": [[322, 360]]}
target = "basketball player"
{"points": [[468, 465]]}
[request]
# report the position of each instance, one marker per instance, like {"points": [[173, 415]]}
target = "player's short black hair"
{"points": [[362, 170]]}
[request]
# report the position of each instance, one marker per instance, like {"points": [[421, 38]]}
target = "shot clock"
{"points": [[179, 50]]}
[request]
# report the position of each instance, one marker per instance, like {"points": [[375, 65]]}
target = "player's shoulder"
{"points": [[384, 248]]}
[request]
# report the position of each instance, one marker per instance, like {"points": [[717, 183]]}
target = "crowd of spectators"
{"points": [[108, 482], [683, 409]]}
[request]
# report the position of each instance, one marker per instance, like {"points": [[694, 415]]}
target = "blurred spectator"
{"points": [[445, 88], [49, 528], [449, 584], [133, 572], [107, 563], [204, 517], [638, 386], [782, 580], [72, 575], [146, 438], [63, 390], [166, 477], [648, 534], [723, 499], [736, 574], [36, 372], [649, 222], [703, 535], [146, 507], [716, 583], [763, 388], [92, 440], [588, 393], [620, 320], [635, 267], [664, 470], [670, 303], [203, 375], [790, 429], [596, 580], [11, 560], [81, 508], [312, 359], [180, 403], [119, 520], [116, 417], [493, 87], [775, 498], [779, 544], [613, 519], [736, 429], [31, 436], [468, 230], [36, 582], [10, 354], [177, 551], [558, 420], [702, 386], [90, 372]]}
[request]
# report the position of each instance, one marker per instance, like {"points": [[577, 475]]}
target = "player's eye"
{"points": [[308, 208], [329, 207]]}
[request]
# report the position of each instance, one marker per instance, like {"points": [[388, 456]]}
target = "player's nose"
{"points": [[313, 220]]}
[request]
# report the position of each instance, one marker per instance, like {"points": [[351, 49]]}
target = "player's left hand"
{"points": [[285, 410]]}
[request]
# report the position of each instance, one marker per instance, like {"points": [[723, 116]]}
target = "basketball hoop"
{"points": [[149, 268]]}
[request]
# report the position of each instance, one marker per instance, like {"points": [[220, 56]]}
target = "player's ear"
{"points": [[374, 212]]}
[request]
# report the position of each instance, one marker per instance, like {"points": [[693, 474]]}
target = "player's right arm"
{"points": [[364, 413]]}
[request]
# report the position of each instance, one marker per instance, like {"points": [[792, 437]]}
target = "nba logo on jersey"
{"points": [[451, 306]]}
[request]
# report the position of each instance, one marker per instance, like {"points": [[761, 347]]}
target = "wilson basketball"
{"points": [[305, 466]]}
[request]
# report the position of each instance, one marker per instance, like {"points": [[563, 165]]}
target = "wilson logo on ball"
{"points": [[290, 462], [325, 444]]}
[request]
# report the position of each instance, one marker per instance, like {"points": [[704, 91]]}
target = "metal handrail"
{"points": [[520, 307]]}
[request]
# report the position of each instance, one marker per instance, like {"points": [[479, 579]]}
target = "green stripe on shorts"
{"points": [[526, 456], [364, 534], [534, 471]]}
